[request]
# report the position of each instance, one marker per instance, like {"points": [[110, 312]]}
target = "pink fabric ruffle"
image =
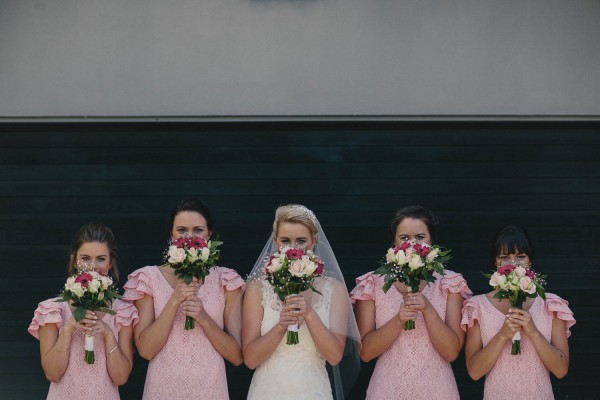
{"points": [[127, 314], [48, 312], [470, 313], [555, 304], [365, 288], [230, 279], [139, 283], [455, 283]]}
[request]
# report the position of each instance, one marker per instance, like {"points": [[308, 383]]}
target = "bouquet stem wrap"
{"points": [[89, 349], [409, 325], [516, 339]]}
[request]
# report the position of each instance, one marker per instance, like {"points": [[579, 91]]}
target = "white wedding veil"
{"points": [[341, 316]]}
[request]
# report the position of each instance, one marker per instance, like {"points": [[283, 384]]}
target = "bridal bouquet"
{"points": [[516, 283], [410, 263], [192, 257], [89, 290], [291, 271]]}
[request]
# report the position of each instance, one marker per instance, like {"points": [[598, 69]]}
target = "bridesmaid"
{"points": [[185, 364], [412, 364], [491, 323], [62, 338]]}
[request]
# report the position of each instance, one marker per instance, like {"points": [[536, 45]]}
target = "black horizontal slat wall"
{"points": [[476, 176]]}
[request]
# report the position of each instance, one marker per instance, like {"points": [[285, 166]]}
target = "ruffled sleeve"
{"points": [[230, 279], [455, 283], [139, 283], [47, 312], [470, 313], [555, 304], [365, 288], [127, 314]]}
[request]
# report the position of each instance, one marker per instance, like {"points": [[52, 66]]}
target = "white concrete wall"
{"points": [[299, 57]]}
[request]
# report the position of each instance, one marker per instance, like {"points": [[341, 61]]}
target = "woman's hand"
{"points": [[289, 314], [416, 301], [192, 307], [509, 327], [182, 291], [89, 320], [521, 319]]}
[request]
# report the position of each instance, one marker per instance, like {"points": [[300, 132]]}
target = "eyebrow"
{"points": [[87, 255]]}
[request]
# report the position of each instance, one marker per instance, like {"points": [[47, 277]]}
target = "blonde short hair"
{"points": [[298, 214]]}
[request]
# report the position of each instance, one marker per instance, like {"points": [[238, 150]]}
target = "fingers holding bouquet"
{"points": [[522, 319], [407, 314], [192, 307], [182, 290]]}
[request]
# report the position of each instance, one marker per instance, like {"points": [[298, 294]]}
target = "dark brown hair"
{"points": [[95, 232], [191, 204], [511, 239], [415, 212]]}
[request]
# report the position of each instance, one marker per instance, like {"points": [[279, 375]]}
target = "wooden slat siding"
{"points": [[475, 176]]}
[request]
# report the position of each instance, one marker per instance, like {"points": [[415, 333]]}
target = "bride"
{"points": [[327, 333]]}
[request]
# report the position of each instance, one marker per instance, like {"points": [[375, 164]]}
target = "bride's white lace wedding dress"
{"points": [[293, 372]]}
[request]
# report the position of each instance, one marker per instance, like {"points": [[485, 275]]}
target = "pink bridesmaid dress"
{"points": [[82, 380], [523, 376], [411, 368], [188, 366]]}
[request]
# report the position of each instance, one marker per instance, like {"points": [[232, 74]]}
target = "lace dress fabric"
{"points": [[293, 372], [411, 368], [523, 376], [82, 380], [188, 366]]}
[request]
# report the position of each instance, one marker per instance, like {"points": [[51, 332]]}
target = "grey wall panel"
{"points": [[298, 57]]}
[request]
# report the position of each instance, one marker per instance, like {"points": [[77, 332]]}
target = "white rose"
{"points": [[275, 265], [498, 280], [101, 296], [400, 258], [520, 271], [77, 289], [390, 256], [192, 255], [69, 283], [106, 282], [94, 285], [310, 268], [415, 261], [432, 255], [176, 255], [297, 268], [205, 253]]}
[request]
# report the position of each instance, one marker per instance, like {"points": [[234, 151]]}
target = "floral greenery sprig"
{"points": [[410, 263], [517, 283], [89, 290], [192, 257], [291, 271]]}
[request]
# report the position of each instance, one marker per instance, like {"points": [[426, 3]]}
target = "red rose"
{"points": [[84, 279], [404, 245], [319, 270], [529, 274], [294, 253], [507, 269]]}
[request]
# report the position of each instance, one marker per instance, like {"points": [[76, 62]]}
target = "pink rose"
{"points": [[297, 268], [527, 285], [520, 271], [404, 245]]}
